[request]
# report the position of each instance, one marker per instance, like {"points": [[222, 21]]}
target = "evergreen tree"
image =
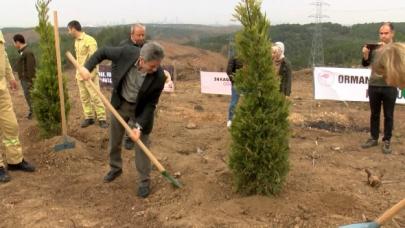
{"points": [[260, 129], [45, 93]]}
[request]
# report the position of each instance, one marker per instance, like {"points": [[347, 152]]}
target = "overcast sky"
{"points": [[22, 13]]}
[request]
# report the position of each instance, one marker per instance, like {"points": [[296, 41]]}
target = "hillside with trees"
{"points": [[342, 44]]}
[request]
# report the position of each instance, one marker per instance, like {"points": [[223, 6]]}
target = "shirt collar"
{"points": [[81, 37], [136, 66], [22, 48]]}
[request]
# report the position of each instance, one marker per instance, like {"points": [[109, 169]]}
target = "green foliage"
{"points": [[342, 44], [66, 44], [260, 129], [212, 43], [45, 94], [12, 55], [112, 36]]}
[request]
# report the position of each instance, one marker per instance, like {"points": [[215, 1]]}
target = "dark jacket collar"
{"points": [[22, 49]]}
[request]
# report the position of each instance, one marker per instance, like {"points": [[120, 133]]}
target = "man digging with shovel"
{"points": [[138, 81]]}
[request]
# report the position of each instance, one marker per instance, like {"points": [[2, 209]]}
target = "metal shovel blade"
{"points": [[65, 145], [171, 179], [362, 225]]}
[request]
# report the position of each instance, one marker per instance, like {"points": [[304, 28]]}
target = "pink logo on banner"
{"points": [[326, 78]]}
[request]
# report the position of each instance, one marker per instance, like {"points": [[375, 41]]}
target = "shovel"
{"points": [[148, 153], [67, 142], [382, 219]]}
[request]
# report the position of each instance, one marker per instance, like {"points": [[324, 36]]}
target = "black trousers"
{"points": [[385, 96], [27, 86]]}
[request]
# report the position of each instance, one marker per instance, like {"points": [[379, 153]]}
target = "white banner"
{"points": [[215, 83], [343, 84]]}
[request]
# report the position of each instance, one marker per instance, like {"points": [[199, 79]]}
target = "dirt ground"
{"points": [[326, 186]]}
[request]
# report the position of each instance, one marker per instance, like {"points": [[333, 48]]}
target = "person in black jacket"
{"points": [[380, 94], [137, 36], [137, 39], [233, 65], [138, 81], [282, 67], [25, 66]]}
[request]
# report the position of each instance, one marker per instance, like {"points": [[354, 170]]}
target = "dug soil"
{"points": [[326, 186]]}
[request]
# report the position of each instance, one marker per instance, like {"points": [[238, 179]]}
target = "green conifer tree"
{"points": [[45, 94], [260, 129]]}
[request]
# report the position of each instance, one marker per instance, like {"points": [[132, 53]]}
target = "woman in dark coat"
{"points": [[282, 67]]}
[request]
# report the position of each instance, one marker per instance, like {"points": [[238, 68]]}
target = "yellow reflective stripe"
{"points": [[11, 142]]}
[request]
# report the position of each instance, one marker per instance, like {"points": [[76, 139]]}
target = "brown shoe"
{"points": [[112, 174], [386, 148], [369, 143]]}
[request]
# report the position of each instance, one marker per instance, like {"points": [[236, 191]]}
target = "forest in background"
{"points": [[342, 44]]}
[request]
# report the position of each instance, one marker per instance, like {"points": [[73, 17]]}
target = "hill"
{"points": [[342, 44]]}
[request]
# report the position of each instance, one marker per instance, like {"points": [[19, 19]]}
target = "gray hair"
{"points": [[152, 51], [137, 25]]}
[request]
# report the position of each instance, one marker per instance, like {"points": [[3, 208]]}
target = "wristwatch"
{"points": [[138, 126]]}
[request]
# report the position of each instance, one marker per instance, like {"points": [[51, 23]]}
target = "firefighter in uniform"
{"points": [[8, 122], [85, 46]]}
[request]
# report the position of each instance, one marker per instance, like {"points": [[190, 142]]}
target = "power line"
{"points": [[367, 10], [317, 52]]}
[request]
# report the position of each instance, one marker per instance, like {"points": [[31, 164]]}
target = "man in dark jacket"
{"points": [[25, 67], [138, 81], [380, 94], [137, 39]]}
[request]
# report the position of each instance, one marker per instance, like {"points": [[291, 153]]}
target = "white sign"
{"points": [[215, 83], [343, 84]]}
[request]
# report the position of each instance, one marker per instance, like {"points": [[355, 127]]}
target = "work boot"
{"points": [[144, 189], [103, 124], [22, 166], [112, 174], [86, 123], [386, 148], [128, 143], [369, 143], [4, 177]]}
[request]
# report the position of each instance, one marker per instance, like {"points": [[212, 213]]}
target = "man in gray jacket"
{"points": [[138, 81]]}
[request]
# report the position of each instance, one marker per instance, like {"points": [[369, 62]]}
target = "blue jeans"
{"points": [[234, 101]]}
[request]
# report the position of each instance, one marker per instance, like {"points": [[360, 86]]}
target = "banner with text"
{"points": [[104, 73], [215, 83], [343, 84]]}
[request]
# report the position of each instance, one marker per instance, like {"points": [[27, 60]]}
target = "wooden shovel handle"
{"points": [[118, 116], [60, 78], [391, 212]]}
